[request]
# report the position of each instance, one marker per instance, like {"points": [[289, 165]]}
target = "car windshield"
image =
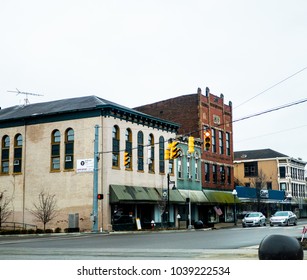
{"points": [[252, 215], [281, 214]]}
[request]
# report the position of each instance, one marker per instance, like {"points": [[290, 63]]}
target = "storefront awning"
{"points": [[195, 196], [221, 197], [122, 193], [174, 196]]}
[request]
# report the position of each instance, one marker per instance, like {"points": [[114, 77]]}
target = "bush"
{"points": [[48, 230], [31, 231], [57, 230], [39, 231]]}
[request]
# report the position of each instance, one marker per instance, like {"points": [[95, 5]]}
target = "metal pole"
{"points": [[235, 212], [168, 206], [95, 183], [190, 224]]}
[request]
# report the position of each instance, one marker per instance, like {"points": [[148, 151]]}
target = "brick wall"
{"points": [[193, 112]]}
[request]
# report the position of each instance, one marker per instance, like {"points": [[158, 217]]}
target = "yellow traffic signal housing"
{"points": [[207, 139], [126, 159], [174, 153], [167, 153], [191, 145]]}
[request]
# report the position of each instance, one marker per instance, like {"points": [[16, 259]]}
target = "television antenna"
{"points": [[26, 94]]}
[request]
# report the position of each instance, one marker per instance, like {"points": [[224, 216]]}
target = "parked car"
{"points": [[283, 218], [253, 219]]}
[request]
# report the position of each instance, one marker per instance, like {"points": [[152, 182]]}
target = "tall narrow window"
{"points": [[161, 155], [221, 142], [229, 175], [55, 150], [5, 154], [207, 172], [180, 171], [151, 154], [189, 172], [115, 146], [222, 174], [227, 143], [69, 148], [196, 166], [140, 151], [17, 153], [128, 148], [214, 173], [213, 140]]}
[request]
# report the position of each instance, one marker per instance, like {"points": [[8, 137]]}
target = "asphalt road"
{"points": [[226, 243]]}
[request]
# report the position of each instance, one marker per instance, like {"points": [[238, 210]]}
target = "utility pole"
{"points": [[95, 183], [168, 204]]}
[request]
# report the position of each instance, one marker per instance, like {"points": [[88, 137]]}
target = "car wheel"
{"points": [[271, 225], [288, 223], [264, 224], [295, 222]]}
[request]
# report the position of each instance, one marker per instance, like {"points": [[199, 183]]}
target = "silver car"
{"points": [[253, 219], [283, 218]]}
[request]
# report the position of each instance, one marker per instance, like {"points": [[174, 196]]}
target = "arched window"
{"points": [[55, 150], [140, 151], [17, 153], [5, 154], [69, 149], [179, 167], [151, 154], [115, 146], [161, 155], [128, 148]]}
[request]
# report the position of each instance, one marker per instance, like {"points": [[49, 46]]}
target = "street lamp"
{"points": [[170, 185], [234, 193]]}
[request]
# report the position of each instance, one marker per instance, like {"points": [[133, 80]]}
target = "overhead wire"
{"points": [[262, 92]]}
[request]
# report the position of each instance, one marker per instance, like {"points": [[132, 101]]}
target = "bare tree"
{"points": [[5, 210], [259, 183], [45, 209]]}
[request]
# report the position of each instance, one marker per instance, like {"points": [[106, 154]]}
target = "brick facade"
{"points": [[193, 112]]}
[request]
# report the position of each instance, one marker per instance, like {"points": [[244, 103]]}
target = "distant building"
{"points": [[267, 169], [196, 113]]}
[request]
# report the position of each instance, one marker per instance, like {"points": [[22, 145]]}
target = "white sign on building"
{"points": [[85, 165]]}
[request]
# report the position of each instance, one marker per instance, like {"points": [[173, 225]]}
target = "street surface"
{"points": [[226, 243]]}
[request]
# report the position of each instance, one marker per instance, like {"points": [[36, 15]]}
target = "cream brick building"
{"points": [[43, 145]]}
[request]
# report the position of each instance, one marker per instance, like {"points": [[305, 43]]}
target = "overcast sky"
{"points": [[138, 52]]}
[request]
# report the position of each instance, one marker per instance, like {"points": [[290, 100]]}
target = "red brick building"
{"points": [[196, 113]]}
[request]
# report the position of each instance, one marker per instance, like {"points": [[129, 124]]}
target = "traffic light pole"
{"points": [[168, 206], [95, 183]]}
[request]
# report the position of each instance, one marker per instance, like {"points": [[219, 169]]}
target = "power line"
{"points": [[271, 110], [272, 133], [272, 86]]}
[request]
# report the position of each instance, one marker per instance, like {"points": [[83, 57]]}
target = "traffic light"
{"points": [[174, 153], [99, 196], [126, 159], [167, 152], [207, 139], [191, 145]]}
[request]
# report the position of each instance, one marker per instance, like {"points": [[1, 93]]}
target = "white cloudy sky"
{"points": [[135, 52]]}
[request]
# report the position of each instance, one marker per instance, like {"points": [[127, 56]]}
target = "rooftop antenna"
{"points": [[25, 93]]}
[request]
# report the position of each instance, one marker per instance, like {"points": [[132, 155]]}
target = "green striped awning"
{"points": [[122, 193], [221, 197], [195, 196]]}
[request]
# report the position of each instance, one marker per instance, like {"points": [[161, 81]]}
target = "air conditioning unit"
{"points": [[68, 158]]}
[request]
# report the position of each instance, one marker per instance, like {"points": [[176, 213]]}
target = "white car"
{"points": [[283, 218], [253, 219]]}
